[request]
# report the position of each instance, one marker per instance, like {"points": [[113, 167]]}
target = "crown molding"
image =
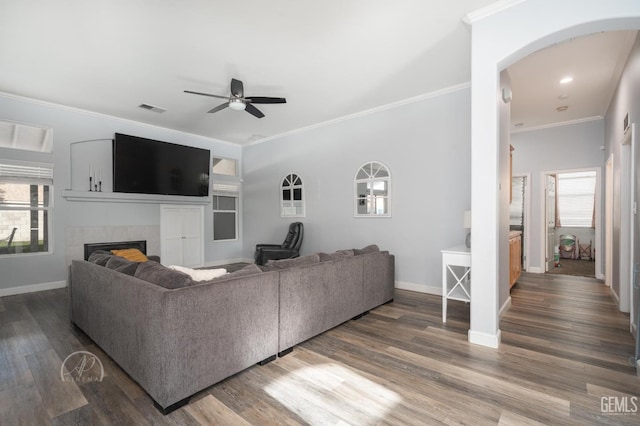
{"points": [[424, 96], [560, 124], [103, 115], [491, 9]]}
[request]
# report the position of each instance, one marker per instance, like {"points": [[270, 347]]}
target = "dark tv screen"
{"points": [[147, 166]]}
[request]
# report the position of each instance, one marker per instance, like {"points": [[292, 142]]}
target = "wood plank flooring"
{"points": [[564, 347]]}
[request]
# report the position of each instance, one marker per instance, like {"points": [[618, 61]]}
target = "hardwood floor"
{"points": [[564, 347]]}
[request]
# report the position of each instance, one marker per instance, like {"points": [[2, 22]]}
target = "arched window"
{"points": [[292, 196], [372, 187]]}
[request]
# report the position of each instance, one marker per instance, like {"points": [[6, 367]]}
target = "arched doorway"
{"points": [[499, 40]]}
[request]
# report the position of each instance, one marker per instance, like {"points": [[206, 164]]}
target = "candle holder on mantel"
{"points": [[100, 186], [90, 184]]}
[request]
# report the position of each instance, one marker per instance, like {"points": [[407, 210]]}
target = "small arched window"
{"points": [[292, 196], [372, 187]]}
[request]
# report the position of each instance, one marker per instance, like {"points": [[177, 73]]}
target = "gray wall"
{"points": [[426, 146], [70, 125], [625, 100], [567, 147]]}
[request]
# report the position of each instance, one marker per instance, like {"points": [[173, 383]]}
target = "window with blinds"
{"points": [[516, 208], [25, 207], [576, 199], [225, 211]]}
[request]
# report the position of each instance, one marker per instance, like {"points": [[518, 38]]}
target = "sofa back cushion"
{"points": [[276, 265], [123, 265], [100, 257], [371, 248], [158, 274]]}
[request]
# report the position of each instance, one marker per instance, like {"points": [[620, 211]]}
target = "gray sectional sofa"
{"points": [[176, 340]]}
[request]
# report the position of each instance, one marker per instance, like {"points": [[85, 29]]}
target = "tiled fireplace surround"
{"points": [[78, 236]]}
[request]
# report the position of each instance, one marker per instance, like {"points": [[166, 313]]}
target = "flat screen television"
{"points": [[147, 166]]}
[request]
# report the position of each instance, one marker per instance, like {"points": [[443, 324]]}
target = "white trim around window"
{"points": [[372, 190]]}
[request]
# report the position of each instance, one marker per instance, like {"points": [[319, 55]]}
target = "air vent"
{"points": [[152, 108]]}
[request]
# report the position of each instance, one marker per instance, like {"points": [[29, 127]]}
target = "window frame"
{"points": [[370, 195], [291, 186], [38, 179], [230, 190]]}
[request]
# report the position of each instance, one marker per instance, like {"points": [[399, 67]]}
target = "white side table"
{"points": [[461, 288]]}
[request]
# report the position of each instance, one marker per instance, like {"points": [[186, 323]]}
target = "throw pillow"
{"points": [[371, 248], [117, 261], [158, 274], [200, 274], [100, 257], [131, 254], [346, 252]]}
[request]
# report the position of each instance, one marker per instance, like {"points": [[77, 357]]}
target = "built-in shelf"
{"points": [[123, 197]]}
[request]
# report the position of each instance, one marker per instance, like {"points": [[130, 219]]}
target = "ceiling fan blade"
{"points": [[218, 108], [254, 111], [237, 88], [207, 94], [265, 100]]}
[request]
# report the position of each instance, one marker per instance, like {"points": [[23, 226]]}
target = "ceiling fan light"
{"points": [[237, 104]]}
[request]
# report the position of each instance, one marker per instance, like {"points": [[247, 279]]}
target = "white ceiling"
{"points": [[329, 59], [595, 62]]}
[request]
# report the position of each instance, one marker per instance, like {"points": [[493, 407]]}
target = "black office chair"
{"points": [[288, 249]]}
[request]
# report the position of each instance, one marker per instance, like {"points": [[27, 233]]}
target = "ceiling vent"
{"points": [[152, 108]]}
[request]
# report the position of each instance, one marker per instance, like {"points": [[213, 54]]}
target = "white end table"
{"points": [[461, 288]]}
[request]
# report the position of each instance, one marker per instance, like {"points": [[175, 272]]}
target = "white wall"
{"points": [[71, 125], [426, 147], [626, 100], [575, 146]]}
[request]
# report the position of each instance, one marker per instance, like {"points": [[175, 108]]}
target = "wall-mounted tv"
{"points": [[147, 166]]}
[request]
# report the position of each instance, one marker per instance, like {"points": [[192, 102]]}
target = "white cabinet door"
{"points": [[181, 233]]}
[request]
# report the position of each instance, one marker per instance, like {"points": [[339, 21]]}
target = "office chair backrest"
{"points": [[294, 236]]}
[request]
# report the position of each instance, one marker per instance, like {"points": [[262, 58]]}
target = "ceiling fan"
{"points": [[237, 101]]}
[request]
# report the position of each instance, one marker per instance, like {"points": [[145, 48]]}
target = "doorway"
{"points": [[572, 222]]}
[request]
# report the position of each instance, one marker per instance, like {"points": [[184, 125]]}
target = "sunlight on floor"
{"points": [[330, 393]]}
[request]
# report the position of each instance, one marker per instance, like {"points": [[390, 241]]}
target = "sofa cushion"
{"points": [[327, 257], [132, 254], [158, 274], [371, 248], [100, 257], [250, 269], [276, 265], [200, 274]]}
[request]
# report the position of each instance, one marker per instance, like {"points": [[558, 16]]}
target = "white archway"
{"points": [[498, 40]]}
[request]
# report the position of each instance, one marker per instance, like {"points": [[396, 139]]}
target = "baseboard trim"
{"points": [[420, 288], [535, 270], [485, 339], [613, 294], [11, 291], [505, 307]]}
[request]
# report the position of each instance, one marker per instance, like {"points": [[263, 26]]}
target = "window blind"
{"points": [[576, 198], [41, 174]]}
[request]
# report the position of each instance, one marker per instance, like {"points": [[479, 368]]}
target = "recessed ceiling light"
{"points": [[562, 108], [566, 80]]}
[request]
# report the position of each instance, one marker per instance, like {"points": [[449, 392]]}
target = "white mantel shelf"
{"points": [[123, 197]]}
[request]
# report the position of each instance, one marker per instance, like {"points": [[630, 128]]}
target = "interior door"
{"points": [[550, 197]]}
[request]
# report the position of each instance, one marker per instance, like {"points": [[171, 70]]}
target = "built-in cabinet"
{"points": [[515, 256], [182, 235]]}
